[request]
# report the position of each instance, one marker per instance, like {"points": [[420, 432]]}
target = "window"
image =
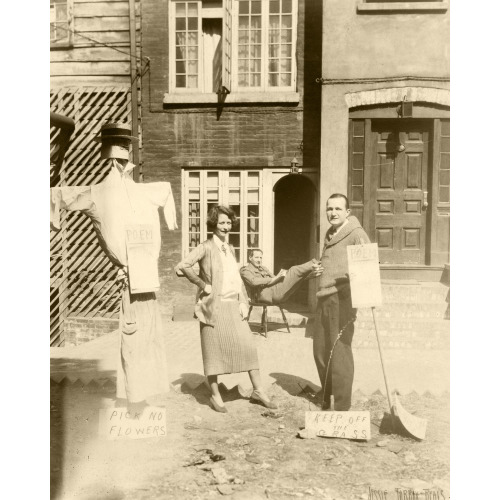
{"points": [[241, 190], [61, 23], [239, 45]]}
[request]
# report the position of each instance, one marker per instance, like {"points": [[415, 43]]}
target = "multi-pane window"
{"points": [[60, 21], [265, 24], [187, 41], [245, 45], [241, 190]]}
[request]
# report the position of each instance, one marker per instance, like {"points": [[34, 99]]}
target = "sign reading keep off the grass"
{"points": [[339, 424]]}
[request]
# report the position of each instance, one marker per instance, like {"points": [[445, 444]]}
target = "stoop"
{"points": [[414, 315]]}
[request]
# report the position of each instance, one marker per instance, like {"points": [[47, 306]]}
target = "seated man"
{"points": [[263, 286]]}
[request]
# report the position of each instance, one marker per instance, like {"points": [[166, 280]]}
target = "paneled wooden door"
{"points": [[398, 192]]}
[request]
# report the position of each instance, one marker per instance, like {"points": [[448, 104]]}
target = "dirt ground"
{"points": [[247, 453]]}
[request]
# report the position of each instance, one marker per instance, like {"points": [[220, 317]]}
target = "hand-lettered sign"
{"points": [[142, 263], [119, 423], [339, 424], [364, 275]]}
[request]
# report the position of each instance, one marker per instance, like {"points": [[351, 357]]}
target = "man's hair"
{"points": [[251, 251], [340, 195], [213, 216]]}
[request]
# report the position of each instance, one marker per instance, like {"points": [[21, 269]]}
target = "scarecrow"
{"points": [[125, 218]]}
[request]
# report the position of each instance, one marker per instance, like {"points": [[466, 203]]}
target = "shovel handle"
{"points": [[382, 361]]}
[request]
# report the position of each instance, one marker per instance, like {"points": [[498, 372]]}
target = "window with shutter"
{"points": [[242, 46]]}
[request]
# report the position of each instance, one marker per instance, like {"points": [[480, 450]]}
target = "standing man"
{"points": [[335, 315]]}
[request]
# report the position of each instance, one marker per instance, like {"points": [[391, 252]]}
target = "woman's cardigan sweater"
{"points": [[208, 256], [334, 258]]}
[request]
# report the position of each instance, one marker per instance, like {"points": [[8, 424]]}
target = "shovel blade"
{"points": [[416, 426]]}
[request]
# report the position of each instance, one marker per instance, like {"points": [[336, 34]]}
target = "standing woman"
{"points": [[227, 344]]}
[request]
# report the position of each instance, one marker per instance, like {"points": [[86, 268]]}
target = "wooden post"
{"points": [[133, 88]]}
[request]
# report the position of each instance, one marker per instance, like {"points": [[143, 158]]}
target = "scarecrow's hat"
{"points": [[110, 131]]}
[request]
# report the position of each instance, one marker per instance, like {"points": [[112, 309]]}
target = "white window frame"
{"points": [[223, 195], [230, 73], [264, 87], [68, 40]]}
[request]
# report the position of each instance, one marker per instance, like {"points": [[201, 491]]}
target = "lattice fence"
{"points": [[82, 280]]}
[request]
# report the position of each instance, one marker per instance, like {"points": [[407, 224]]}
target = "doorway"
{"points": [[294, 197], [397, 167]]}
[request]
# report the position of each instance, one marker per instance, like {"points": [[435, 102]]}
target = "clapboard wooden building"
{"points": [[95, 68]]}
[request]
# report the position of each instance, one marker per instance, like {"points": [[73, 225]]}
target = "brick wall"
{"points": [[78, 330], [252, 135]]}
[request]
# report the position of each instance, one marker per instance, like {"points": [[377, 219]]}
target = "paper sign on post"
{"points": [[364, 275], [339, 424], [119, 423], [142, 263]]}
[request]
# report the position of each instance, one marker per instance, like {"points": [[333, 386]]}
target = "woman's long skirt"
{"points": [[228, 346]]}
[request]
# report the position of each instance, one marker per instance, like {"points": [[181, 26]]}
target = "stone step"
{"points": [[403, 333], [414, 292], [402, 310], [408, 343], [395, 327], [365, 339]]}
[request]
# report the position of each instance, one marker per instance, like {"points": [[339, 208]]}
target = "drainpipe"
{"points": [[133, 88]]}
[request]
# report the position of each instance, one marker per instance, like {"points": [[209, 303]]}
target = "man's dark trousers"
{"points": [[279, 293], [334, 312]]}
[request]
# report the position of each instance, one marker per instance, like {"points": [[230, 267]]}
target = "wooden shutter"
{"points": [[226, 44], [356, 183], [440, 238]]}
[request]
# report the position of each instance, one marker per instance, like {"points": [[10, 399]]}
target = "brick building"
{"points": [[231, 101]]}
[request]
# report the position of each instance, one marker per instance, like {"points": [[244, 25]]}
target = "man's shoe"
{"points": [[217, 407], [325, 406], [262, 399]]}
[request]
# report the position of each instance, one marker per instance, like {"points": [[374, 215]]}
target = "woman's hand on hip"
{"points": [[207, 289]]}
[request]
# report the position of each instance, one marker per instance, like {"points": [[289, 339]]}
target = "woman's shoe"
{"points": [[217, 407], [262, 399]]}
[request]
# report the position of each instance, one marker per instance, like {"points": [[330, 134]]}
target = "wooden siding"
{"points": [[83, 280], [100, 51]]}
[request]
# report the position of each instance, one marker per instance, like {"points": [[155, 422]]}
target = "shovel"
{"points": [[413, 425]]}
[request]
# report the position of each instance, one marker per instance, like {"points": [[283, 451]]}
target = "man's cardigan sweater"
{"points": [[334, 258]]}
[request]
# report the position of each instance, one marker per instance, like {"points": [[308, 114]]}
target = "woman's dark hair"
{"points": [[213, 216]]}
